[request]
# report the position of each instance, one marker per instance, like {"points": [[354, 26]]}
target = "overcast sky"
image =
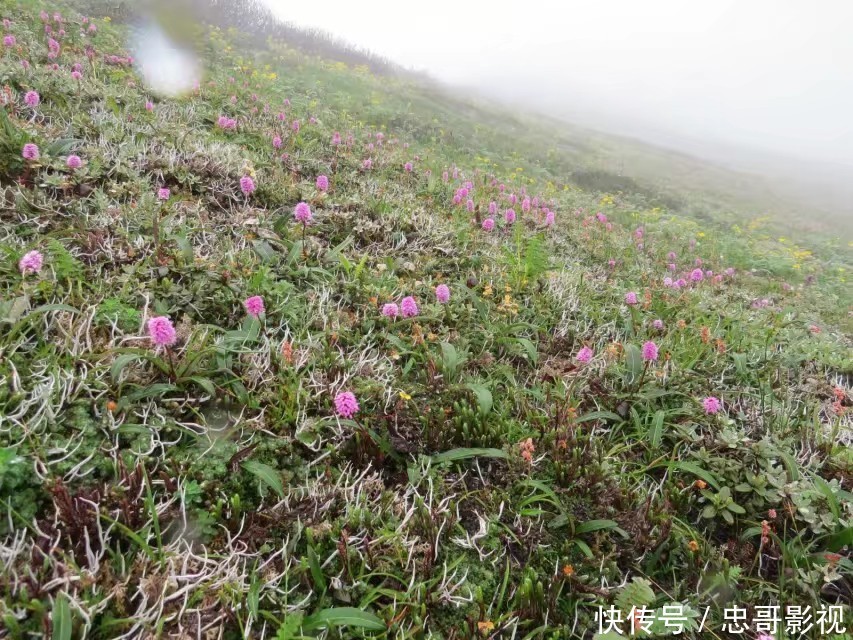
{"points": [[769, 74]]}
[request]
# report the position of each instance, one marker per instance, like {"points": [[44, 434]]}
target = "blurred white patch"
{"points": [[166, 67]]}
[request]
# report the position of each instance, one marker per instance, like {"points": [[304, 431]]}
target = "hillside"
{"points": [[320, 350]]}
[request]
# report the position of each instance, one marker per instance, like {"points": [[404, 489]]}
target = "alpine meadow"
{"points": [[320, 348]]}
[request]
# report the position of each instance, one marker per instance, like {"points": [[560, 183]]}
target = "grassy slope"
{"points": [[212, 487]]}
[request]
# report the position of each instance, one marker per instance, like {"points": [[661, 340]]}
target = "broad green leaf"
{"points": [[266, 474], [483, 395], [344, 617], [61, 618], [464, 453]]}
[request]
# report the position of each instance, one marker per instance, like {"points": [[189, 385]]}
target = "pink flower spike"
{"points": [[584, 355], [631, 298], [442, 293], [650, 351], [32, 99], [390, 310], [163, 194], [73, 162], [509, 216], [488, 224], [409, 307], [322, 183], [162, 332], [247, 185], [346, 405], [302, 213], [254, 306], [30, 152], [712, 405], [31, 262]]}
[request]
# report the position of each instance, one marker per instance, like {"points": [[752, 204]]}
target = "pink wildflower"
{"points": [[711, 404], [346, 405], [336, 138], [247, 185], [493, 208], [631, 298], [658, 324], [295, 126], [584, 355], [442, 293], [161, 331], [163, 193], [650, 351], [32, 99], [76, 75], [31, 262], [254, 306], [488, 224], [367, 164], [9, 41], [470, 205], [696, 275], [30, 152], [525, 205], [409, 307], [302, 213], [509, 216], [549, 218], [408, 167], [322, 183], [276, 142], [149, 106], [73, 162], [390, 310]]}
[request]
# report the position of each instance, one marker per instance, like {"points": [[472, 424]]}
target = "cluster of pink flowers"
{"points": [[488, 224], [346, 405], [650, 351], [32, 99], [116, 61], [711, 405], [631, 298], [322, 183], [254, 306], [409, 307], [509, 216], [442, 293], [9, 40], [162, 331], [224, 122], [390, 310], [247, 185], [302, 213], [30, 152], [584, 355], [73, 162], [163, 193], [527, 449], [31, 262]]}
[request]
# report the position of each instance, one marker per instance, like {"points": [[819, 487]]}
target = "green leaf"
{"points": [[464, 453], [599, 415], [599, 525], [826, 490], [633, 363], [154, 390], [266, 474], [696, 470], [61, 618], [530, 349], [121, 362], [344, 617], [657, 428], [483, 395]]}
